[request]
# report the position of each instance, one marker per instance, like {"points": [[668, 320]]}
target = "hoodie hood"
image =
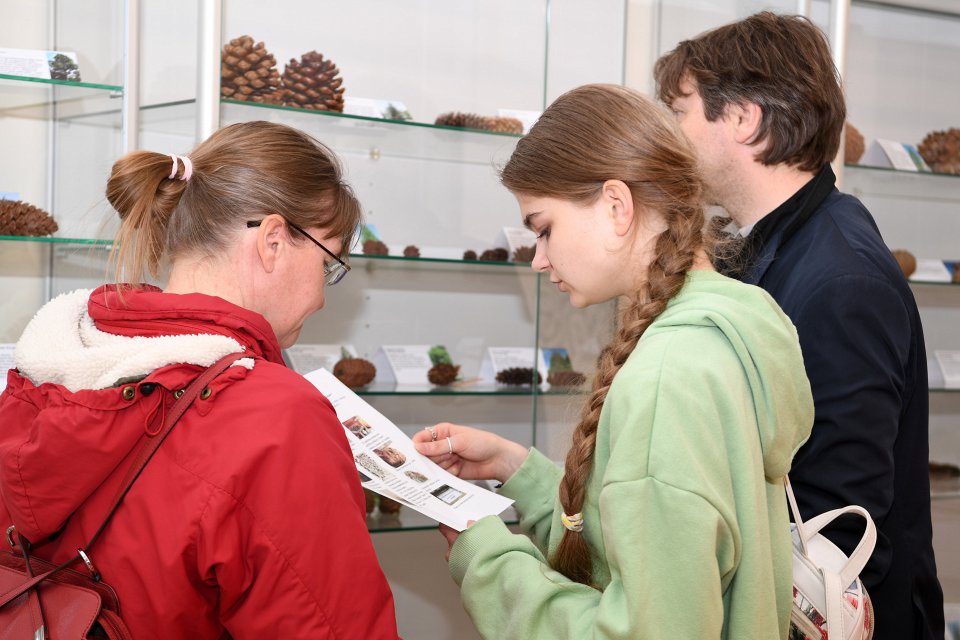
{"points": [[66, 423], [765, 340]]}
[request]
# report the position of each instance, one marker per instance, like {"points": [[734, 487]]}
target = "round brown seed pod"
{"points": [[354, 372], [906, 260], [443, 374]]}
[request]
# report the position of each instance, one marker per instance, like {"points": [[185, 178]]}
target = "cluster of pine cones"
{"points": [[941, 150], [248, 72], [18, 218], [497, 124]]}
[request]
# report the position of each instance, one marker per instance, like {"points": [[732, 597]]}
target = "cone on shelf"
{"points": [[375, 248], [941, 150], [853, 144], [312, 83], [354, 372], [497, 254], [516, 376], [906, 260], [525, 253], [411, 251], [443, 372], [18, 218], [248, 72], [497, 124]]}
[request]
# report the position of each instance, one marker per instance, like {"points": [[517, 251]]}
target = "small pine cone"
{"points": [[450, 119], [411, 251], [469, 254], [354, 372], [941, 150], [443, 374], [956, 273], [853, 145], [525, 254], [375, 248], [389, 506], [313, 83], [566, 378], [18, 218], [906, 260], [503, 124], [518, 376], [248, 72], [498, 254]]}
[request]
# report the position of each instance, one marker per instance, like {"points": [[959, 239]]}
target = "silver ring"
{"points": [[433, 433], [449, 446]]}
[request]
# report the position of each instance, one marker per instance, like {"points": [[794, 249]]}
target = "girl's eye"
{"points": [[545, 233]]}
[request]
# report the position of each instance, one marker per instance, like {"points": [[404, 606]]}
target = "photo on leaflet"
{"points": [[371, 465], [358, 426], [416, 476], [447, 494], [391, 456]]}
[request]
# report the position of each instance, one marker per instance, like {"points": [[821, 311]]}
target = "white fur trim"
{"points": [[62, 345]]}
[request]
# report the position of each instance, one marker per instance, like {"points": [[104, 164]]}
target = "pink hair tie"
{"points": [[187, 167]]}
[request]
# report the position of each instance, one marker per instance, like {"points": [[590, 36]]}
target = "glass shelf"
{"points": [[943, 390], [41, 99], [464, 388], [409, 520], [900, 172], [58, 240], [946, 489]]}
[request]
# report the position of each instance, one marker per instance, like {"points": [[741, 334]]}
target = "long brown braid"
{"points": [[587, 136]]}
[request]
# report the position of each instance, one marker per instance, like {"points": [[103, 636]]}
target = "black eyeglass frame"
{"points": [[335, 273]]}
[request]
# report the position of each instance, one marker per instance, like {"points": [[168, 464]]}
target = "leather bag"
{"points": [[39, 600], [829, 600]]}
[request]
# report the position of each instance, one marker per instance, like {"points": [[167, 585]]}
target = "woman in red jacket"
{"points": [[249, 520]]}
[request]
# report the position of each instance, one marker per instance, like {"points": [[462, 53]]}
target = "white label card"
{"points": [[893, 154], [499, 358], [6, 362], [512, 238], [930, 270], [35, 63], [403, 364], [949, 362], [307, 357]]}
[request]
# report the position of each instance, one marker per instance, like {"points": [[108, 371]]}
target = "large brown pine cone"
{"points": [[18, 218], [497, 254], [518, 376], [525, 254], [313, 83], [503, 124], [906, 260], [248, 72], [450, 119], [853, 145], [375, 248], [941, 150]]}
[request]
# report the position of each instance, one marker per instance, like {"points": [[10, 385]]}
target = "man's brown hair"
{"points": [[780, 63]]}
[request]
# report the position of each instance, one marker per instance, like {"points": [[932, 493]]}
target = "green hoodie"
{"points": [[685, 513]]}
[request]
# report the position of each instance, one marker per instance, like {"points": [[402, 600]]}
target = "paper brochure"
{"points": [[389, 464]]}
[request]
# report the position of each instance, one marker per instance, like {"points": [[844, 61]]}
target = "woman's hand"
{"points": [[472, 454], [451, 535]]}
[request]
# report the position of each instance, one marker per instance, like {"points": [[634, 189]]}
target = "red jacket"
{"points": [[249, 520]]}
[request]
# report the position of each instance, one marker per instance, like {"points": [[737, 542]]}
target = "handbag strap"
{"points": [[145, 452]]}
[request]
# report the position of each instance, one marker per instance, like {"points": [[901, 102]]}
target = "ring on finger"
{"points": [[433, 433], [449, 445]]}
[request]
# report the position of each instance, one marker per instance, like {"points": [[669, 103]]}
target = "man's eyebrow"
{"points": [[528, 218]]}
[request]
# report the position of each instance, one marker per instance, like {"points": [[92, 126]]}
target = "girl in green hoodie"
{"points": [[668, 519]]}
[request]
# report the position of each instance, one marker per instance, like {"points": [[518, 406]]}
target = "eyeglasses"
{"points": [[333, 271]]}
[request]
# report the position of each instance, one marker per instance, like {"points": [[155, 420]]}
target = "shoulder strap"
{"points": [[146, 451]]}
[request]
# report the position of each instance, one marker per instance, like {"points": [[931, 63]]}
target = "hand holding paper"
{"points": [[471, 454]]}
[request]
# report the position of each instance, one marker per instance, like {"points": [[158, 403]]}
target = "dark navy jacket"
{"points": [[821, 257]]}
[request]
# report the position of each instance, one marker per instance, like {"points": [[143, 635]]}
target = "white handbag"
{"points": [[829, 601]]}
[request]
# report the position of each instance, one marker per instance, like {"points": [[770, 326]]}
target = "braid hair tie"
{"points": [[572, 523]]}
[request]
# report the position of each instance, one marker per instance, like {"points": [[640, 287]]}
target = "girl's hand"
{"points": [[472, 454], [451, 535]]}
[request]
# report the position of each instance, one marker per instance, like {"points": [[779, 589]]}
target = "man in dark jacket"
{"points": [[761, 101]]}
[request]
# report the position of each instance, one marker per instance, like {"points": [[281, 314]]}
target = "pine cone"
{"points": [[853, 145], [313, 83], [476, 121], [469, 254], [443, 374], [566, 378], [956, 273], [450, 119], [906, 260], [248, 72], [518, 376], [375, 248], [370, 500], [18, 218], [503, 124], [389, 506], [411, 251], [941, 150], [354, 372], [525, 254], [497, 254]]}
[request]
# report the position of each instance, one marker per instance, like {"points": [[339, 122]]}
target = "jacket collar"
{"points": [[778, 227]]}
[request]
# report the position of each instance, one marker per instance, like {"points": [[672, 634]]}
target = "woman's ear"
{"points": [[618, 202], [271, 241]]}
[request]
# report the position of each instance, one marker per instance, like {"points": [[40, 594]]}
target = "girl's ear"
{"points": [[271, 241], [618, 202]]}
